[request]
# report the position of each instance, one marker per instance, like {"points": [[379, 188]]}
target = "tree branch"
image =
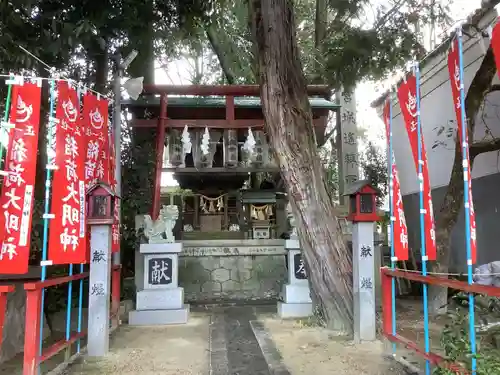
{"points": [[327, 137], [224, 59], [382, 21], [484, 146]]}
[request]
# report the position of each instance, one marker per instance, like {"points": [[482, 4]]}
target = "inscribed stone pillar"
{"points": [[348, 148], [161, 302], [364, 282], [175, 148], [260, 148], [99, 290], [296, 297], [230, 148]]}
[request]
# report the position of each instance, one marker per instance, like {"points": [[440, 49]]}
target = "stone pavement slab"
{"points": [[234, 348]]}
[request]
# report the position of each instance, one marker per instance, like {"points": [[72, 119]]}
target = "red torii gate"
{"points": [[227, 91]]}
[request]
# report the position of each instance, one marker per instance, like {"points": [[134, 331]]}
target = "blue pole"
{"points": [[68, 307], [392, 219], [46, 212], [80, 292], [80, 306], [422, 220], [466, 163]]}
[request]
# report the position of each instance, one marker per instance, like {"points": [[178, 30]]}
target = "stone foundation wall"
{"points": [[14, 325], [215, 278]]}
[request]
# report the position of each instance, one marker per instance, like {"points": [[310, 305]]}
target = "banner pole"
{"points": [[392, 219], [467, 203], [422, 219], [46, 211]]}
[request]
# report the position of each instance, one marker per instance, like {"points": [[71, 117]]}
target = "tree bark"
{"points": [[142, 39], [320, 26], [288, 121], [453, 199], [101, 60]]}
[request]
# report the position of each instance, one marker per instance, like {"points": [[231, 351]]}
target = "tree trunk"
{"points": [[320, 26], [225, 60], [289, 124], [101, 66], [453, 199], [142, 39]]}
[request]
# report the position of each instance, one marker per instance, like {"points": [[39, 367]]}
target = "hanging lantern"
{"points": [[205, 142], [186, 140], [250, 142]]}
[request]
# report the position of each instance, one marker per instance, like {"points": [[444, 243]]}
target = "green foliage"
{"points": [[77, 38], [359, 47], [455, 337], [138, 166], [374, 166]]}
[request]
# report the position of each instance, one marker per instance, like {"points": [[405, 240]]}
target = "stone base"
{"points": [[160, 248], [15, 323], [160, 299], [293, 293], [294, 310], [158, 317], [292, 244]]}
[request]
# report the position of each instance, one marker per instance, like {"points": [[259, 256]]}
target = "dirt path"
{"points": [[312, 350], [172, 350], [246, 340]]}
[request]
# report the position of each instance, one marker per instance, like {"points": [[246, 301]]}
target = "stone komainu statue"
{"points": [[161, 230]]}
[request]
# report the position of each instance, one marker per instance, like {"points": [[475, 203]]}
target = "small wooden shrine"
{"points": [[212, 139]]}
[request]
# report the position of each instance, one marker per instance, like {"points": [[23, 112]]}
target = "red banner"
{"points": [[454, 70], [17, 195], [115, 229], [400, 229], [95, 120], [67, 229], [408, 102], [495, 45]]}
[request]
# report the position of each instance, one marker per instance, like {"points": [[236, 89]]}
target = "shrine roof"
{"points": [[216, 102], [357, 186]]}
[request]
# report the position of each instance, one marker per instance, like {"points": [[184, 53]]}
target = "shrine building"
{"points": [[231, 200]]}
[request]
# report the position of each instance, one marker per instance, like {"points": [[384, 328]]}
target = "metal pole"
{"points": [[467, 204], [117, 123], [422, 221]]}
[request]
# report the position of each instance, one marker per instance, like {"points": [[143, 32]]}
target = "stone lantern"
{"points": [[100, 218], [362, 202], [101, 202], [363, 214]]}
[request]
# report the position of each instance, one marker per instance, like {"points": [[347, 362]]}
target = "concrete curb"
{"points": [[269, 350], [409, 368], [59, 370]]}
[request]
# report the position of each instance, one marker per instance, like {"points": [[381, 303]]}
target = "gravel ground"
{"points": [[172, 350], [312, 350], [220, 341]]}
